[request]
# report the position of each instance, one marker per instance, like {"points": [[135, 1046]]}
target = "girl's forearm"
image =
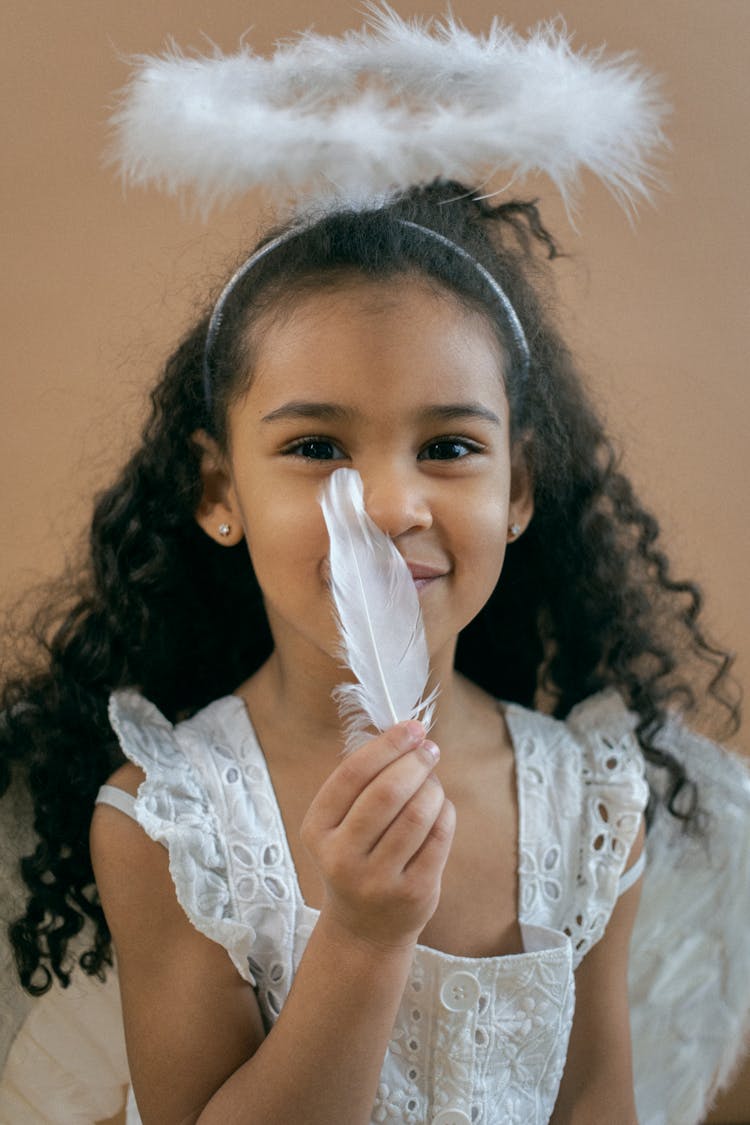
{"points": [[321, 1061]]}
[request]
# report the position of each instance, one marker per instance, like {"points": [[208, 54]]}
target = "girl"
{"points": [[392, 935]]}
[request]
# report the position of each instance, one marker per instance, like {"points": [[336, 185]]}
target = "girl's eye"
{"points": [[316, 449], [448, 449]]}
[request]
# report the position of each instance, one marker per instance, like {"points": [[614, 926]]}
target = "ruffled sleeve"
{"points": [[174, 809], [614, 795], [582, 791]]}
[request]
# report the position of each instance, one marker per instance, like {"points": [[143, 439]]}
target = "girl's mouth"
{"points": [[424, 575]]}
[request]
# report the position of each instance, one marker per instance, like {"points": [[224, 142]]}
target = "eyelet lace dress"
{"points": [[476, 1040]]}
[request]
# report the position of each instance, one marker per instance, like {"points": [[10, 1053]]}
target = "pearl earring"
{"points": [[515, 530], [224, 529]]}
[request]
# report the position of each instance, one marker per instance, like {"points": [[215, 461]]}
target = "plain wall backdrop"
{"points": [[98, 284]]}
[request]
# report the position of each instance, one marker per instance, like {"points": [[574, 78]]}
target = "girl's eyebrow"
{"points": [[452, 411], [301, 409], [457, 410]]}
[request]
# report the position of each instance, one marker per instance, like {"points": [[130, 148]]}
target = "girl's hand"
{"points": [[379, 831]]}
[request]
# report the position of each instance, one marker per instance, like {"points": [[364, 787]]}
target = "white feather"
{"points": [[690, 955], [378, 615], [393, 105]]}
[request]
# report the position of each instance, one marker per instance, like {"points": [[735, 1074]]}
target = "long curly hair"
{"points": [[586, 598]]}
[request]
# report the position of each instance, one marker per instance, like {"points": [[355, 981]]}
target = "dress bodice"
{"points": [[476, 1039], [689, 973]]}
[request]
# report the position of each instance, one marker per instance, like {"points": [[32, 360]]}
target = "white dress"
{"points": [[476, 1039]]}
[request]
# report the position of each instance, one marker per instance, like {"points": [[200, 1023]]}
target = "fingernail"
{"points": [[431, 748], [410, 734]]}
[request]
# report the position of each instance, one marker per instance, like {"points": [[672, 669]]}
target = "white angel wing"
{"points": [[690, 954], [62, 1056], [16, 839]]}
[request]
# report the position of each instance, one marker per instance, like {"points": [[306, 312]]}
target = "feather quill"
{"points": [[377, 610]]}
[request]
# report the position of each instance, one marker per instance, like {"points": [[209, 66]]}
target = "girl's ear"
{"points": [[218, 512], [521, 507]]}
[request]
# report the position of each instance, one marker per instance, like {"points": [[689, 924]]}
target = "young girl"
{"points": [[390, 935]]}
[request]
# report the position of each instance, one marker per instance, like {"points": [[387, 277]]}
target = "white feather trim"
{"points": [[690, 953], [392, 105]]}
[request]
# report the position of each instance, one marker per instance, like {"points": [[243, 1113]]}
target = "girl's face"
{"points": [[405, 386]]}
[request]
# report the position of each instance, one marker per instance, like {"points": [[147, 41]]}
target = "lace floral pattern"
{"points": [[173, 808], [483, 1038], [581, 793]]}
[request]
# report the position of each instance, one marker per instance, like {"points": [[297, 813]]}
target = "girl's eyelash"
{"points": [[444, 440], [311, 439], [451, 439]]}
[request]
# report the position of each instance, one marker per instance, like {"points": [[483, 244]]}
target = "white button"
{"points": [[460, 992], [452, 1117]]}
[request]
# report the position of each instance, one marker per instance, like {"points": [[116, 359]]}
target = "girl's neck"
{"points": [[290, 704]]}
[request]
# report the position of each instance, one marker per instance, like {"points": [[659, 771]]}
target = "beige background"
{"points": [[98, 284]]}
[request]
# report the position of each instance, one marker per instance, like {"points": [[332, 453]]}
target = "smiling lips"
{"points": [[424, 575]]}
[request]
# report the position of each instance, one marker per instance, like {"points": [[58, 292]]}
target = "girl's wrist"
{"points": [[355, 941]]}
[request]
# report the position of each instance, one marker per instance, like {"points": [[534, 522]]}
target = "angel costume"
{"points": [[476, 1039]]}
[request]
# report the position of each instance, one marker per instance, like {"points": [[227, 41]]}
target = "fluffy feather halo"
{"points": [[395, 104]]}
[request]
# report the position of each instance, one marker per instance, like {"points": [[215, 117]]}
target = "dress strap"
{"points": [[118, 798], [632, 875]]}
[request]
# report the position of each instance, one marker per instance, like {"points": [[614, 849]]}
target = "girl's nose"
{"points": [[396, 501]]}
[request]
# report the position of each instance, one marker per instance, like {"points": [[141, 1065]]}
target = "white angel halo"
{"points": [[396, 104]]}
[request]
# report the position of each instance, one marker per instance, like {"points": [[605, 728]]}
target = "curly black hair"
{"points": [[586, 598]]}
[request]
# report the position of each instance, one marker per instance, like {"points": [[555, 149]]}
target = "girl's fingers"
{"points": [[410, 829], [387, 798], [433, 853], [339, 792]]}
